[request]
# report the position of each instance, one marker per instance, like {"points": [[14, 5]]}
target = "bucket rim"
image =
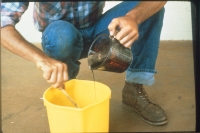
{"points": [[74, 108]]}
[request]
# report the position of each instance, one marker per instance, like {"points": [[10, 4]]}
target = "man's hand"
{"points": [[128, 32], [55, 72], [128, 24]]}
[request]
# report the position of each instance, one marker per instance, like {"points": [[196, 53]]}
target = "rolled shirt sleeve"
{"points": [[11, 12]]}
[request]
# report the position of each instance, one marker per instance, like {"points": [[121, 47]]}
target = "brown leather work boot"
{"points": [[135, 98]]}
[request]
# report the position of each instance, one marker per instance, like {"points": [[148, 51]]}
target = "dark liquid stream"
{"points": [[94, 84]]}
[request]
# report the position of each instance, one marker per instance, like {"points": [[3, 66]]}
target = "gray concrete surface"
{"points": [[22, 87]]}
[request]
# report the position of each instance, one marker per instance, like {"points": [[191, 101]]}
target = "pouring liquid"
{"points": [[94, 85]]}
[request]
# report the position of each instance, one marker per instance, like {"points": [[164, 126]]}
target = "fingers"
{"points": [[114, 27], [47, 75], [65, 73], [53, 76], [59, 75], [54, 72], [127, 37], [62, 87], [128, 32]]}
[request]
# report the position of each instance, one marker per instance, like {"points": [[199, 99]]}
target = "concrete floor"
{"points": [[23, 110]]}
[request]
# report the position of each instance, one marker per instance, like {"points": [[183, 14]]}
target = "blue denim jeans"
{"points": [[62, 41]]}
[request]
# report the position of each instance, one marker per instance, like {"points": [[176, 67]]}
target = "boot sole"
{"points": [[152, 123]]}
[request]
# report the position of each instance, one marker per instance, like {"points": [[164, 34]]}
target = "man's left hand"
{"points": [[128, 32]]}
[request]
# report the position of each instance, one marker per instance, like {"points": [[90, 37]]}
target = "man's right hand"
{"points": [[55, 72]]}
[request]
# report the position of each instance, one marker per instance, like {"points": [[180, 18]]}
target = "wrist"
{"points": [[134, 17]]}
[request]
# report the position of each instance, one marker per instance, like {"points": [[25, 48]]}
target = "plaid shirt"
{"points": [[80, 14]]}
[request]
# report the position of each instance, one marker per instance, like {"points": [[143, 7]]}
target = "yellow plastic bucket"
{"points": [[93, 114]]}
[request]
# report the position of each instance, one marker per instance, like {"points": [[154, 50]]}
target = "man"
{"points": [[68, 29]]}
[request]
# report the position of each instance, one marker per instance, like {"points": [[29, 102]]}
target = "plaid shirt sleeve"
{"points": [[11, 12]]}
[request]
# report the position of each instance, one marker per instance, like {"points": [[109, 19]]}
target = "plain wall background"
{"points": [[177, 22]]}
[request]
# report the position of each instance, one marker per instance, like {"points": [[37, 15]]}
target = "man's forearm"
{"points": [[54, 72], [14, 42], [145, 9]]}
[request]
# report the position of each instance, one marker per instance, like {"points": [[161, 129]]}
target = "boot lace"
{"points": [[142, 93]]}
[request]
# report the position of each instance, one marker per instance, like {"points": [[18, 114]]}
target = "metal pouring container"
{"points": [[107, 54]]}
